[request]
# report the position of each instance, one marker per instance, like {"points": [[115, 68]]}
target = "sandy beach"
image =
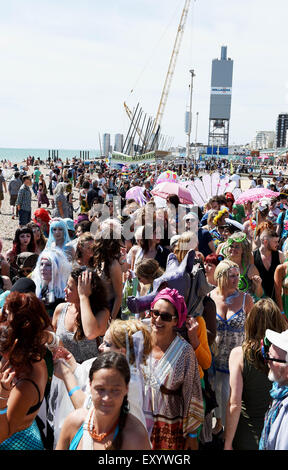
{"points": [[9, 226]]}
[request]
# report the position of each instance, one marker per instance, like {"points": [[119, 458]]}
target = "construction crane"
{"points": [[170, 73]]}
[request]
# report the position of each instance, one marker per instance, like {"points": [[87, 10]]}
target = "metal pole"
{"points": [[196, 136], [190, 115]]}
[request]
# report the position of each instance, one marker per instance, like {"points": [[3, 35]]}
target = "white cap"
{"points": [[278, 339], [190, 216], [174, 239], [235, 223]]}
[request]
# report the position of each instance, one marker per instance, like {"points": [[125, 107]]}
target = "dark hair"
{"points": [[173, 199], [86, 184], [29, 320], [85, 226], [42, 241], [16, 241], [106, 251], [85, 237], [114, 360], [98, 298]]}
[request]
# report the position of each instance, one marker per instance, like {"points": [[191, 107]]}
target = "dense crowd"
{"points": [[133, 321]]}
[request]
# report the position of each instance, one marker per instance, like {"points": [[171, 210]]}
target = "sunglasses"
{"points": [[265, 345], [165, 316]]}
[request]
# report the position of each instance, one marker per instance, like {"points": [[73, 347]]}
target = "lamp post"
{"points": [[196, 132], [190, 115]]}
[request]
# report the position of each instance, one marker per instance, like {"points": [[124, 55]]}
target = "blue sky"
{"points": [[67, 66]]}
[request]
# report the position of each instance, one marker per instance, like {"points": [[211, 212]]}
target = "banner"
{"points": [[118, 157]]}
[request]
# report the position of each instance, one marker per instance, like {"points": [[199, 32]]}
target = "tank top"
{"points": [[230, 334], [83, 349], [255, 402], [267, 276]]}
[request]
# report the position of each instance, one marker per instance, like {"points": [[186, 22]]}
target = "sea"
{"points": [[18, 155]]}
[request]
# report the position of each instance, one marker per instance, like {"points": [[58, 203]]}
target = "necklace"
{"points": [[93, 433]]}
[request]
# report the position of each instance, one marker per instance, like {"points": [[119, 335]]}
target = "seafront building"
{"points": [[106, 144], [118, 142], [281, 130], [263, 140]]}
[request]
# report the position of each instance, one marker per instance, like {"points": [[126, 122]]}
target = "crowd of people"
{"points": [[120, 330]]}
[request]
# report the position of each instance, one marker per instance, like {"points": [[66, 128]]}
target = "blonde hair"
{"points": [[187, 241], [221, 273], [120, 330]]}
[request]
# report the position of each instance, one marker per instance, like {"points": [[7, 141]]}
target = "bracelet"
{"points": [[3, 411], [74, 390], [192, 435], [4, 398]]}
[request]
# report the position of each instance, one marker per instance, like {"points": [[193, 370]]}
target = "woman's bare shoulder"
{"points": [[135, 435]]}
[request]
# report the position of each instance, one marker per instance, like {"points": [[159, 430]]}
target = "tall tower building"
{"points": [[106, 144], [281, 128], [118, 143], [220, 104]]}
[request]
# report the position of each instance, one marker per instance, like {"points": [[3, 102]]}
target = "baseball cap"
{"points": [[278, 339]]}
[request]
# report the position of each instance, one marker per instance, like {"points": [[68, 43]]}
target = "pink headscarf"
{"points": [[173, 296]]}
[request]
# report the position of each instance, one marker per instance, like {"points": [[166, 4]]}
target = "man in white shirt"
{"points": [[236, 178]]}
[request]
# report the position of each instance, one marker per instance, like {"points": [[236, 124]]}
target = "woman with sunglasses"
{"points": [[173, 403], [39, 238], [217, 232], [232, 307], [249, 383], [238, 249]]}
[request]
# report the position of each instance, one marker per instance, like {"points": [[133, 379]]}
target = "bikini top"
{"points": [[33, 408]]}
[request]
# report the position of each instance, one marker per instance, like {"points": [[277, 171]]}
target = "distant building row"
{"points": [[271, 139], [107, 145]]}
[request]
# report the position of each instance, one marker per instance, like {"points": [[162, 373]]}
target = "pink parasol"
{"points": [[136, 193], [165, 189], [255, 194]]}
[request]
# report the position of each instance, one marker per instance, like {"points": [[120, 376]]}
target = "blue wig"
{"points": [[57, 223]]}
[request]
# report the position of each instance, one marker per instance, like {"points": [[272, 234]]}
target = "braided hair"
{"points": [[114, 360]]}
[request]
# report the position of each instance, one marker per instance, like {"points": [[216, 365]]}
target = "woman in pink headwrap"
{"points": [[173, 403]]}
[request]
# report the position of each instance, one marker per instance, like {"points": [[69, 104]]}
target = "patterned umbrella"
{"points": [[167, 176]]}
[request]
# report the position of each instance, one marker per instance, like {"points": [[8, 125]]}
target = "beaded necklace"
{"points": [[92, 432]]}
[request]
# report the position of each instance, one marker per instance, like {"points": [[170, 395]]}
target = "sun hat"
{"points": [[278, 339]]}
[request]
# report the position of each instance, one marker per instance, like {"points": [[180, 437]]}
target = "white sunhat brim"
{"points": [[278, 339]]}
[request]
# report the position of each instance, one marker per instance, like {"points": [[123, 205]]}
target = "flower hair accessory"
{"points": [[219, 215]]}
